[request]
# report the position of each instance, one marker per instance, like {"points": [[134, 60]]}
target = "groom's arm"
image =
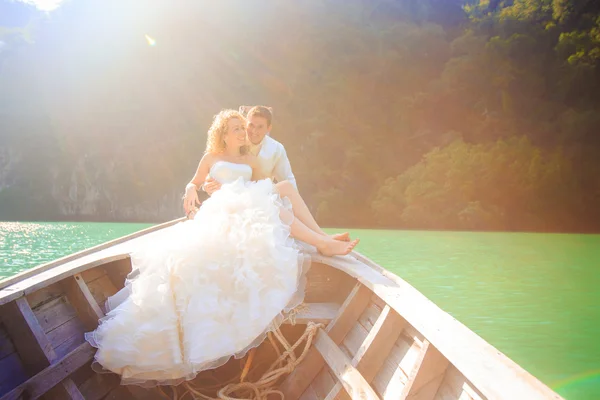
{"points": [[283, 168]]}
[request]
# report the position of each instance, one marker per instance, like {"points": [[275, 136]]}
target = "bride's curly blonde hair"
{"points": [[214, 141]]}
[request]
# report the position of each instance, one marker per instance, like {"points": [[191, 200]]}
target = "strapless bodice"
{"points": [[226, 172]]}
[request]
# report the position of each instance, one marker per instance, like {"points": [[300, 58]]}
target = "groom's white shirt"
{"points": [[273, 160]]}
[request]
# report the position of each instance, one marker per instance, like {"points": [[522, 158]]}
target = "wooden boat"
{"points": [[379, 337]]}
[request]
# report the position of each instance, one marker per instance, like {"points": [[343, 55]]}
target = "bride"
{"points": [[216, 284]]}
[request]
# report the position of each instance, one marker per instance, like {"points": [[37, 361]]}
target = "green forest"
{"points": [[404, 114]]}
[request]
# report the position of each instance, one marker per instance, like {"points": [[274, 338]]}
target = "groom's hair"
{"points": [[260, 111]]}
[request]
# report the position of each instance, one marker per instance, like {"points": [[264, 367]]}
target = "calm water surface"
{"points": [[536, 297]]}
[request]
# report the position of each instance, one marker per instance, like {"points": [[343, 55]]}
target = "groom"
{"points": [[272, 158]]}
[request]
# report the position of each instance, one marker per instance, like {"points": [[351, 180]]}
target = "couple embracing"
{"points": [[218, 283]]}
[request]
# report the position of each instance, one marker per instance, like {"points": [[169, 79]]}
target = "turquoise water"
{"points": [[535, 297]]}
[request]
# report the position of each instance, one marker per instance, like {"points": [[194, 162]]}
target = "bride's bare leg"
{"points": [[325, 244], [301, 211]]}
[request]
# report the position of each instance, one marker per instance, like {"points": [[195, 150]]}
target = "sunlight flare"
{"points": [[150, 40], [44, 5]]}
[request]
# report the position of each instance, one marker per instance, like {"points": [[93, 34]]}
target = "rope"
{"points": [[238, 389]]}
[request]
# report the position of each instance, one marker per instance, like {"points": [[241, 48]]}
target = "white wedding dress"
{"points": [[211, 289]]}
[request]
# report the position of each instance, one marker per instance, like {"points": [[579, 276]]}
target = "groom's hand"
{"points": [[210, 186]]}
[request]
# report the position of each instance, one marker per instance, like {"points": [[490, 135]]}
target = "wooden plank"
{"points": [[309, 394], [369, 316], [316, 312], [87, 294], [427, 374], [28, 336], [41, 383], [44, 295], [54, 313], [390, 378], [379, 342], [411, 350], [33, 345], [390, 381], [83, 302], [323, 383], [121, 392], [456, 386], [6, 345], [72, 339], [64, 332], [98, 385], [326, 284], [374, 349], [139, 392], [118, 271], [92, 274], [299, 380], [101, 289], [490, 371], [355, 338], [58, 273], [352, 380], [13, 373]]}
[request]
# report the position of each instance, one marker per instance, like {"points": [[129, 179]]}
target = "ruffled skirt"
{"points": [[209, 289]]}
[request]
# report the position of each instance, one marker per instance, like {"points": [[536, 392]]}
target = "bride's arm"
{"points": [[201, 172], [191, 190]]}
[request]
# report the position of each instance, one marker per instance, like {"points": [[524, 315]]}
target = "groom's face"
{"points": [[257, 128]]}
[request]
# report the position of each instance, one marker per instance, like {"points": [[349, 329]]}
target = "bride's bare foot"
{"points": [[344, 237], [337, 247]]}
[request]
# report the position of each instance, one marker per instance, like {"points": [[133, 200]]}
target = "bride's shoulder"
{"points": [[208, 159]]}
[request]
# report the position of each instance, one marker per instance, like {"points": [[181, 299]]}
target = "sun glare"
{"points": [[150, 40], [44, 5]]}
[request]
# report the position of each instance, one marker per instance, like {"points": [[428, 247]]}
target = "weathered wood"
{"points": [[326, 284], [82, 300], [309, 394], [92, 385], [13, 372], [52, 375], [87, 294], [98, 385], [67, 336], [33, 345], [485, 367], [44, 295], [374, 350], [118, 271], [369, 316], [297, 382], [427, 374], [354, 383], [143, 393], [46, 278], [91, 275], [494, 374], [6, 345], [323, 382], [393, 374], [28, 336], [456, 386], [379, 343], [54, 313], [316, 312], [101, 289], [411, 350]]}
